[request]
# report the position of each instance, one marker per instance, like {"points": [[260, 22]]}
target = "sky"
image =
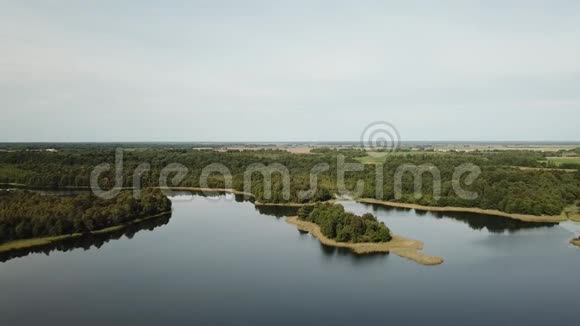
{"points": [[289, 71]]}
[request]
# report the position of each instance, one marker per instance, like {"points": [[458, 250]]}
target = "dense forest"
{"points": [[335, 223], [500, 187], [510, 181], [24, 214]]}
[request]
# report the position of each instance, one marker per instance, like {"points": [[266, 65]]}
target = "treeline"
{"points": [[335, 223], [498, 187], [569, 166], [72, 168], [87, 241], [25, 214], [501, 185]]}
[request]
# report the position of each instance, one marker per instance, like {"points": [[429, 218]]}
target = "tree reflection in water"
{"points": [[89, 241], [476, 221]]}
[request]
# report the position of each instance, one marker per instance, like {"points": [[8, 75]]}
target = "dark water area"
{"points": [[220, 260]]}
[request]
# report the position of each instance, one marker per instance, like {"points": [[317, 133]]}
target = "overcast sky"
{"points": [[305, 70]]}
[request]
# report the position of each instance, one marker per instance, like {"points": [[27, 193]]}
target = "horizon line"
{"points": [[291, 142]]}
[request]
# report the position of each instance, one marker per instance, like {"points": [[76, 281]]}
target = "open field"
{"points": [[572, 212], [562, 160], [415, 147], [290, 149], [373, 159], [524, 168], [505, 147], [378, 157]]}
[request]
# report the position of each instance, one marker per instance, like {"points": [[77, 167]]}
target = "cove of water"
{"points": [[221, 260]]}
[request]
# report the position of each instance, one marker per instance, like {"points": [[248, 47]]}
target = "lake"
{"points": [[221, 260]]}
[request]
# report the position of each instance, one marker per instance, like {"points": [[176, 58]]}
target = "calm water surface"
{"points": [[222, 261]]}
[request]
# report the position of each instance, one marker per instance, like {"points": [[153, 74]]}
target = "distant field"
{"points": [[504, 147], [561, 160], [378, 157], [372, 159], [436, 148], [543, 169], [291, 149], [572, 212]]}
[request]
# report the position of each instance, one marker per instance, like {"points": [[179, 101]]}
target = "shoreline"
{"points": [[403, 247], [521, 217], [238, 192], [228, 190], [331, 201], [258, 203], [39, 242], [210, 190]]}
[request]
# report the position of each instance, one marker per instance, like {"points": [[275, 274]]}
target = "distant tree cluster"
{"points": [[25, 214], [342, 226]]}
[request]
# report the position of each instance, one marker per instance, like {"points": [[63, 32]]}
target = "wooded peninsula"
{"points": [[28, 215]]}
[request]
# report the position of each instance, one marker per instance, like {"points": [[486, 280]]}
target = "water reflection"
{"points": [[476, 221], [269, 210], [214, 263], [494, 224], [220, 195], [90, 240], [277, 211], [339, 251]]}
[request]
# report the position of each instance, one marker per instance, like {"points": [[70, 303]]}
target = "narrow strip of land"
{"points": [[38, 242], [521, 217], [400, 246], [575, 242]]}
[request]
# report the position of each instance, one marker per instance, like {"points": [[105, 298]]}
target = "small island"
{"points": [[333, 226], [575, 242], [29, 219]]}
